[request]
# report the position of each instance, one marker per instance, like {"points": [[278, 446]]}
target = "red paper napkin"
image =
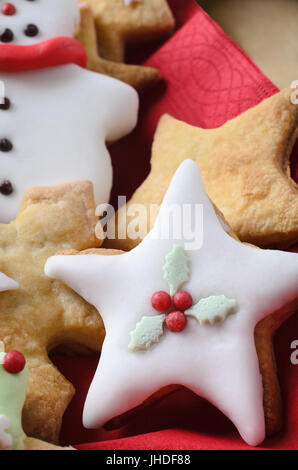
{"points": [[207, 79]]}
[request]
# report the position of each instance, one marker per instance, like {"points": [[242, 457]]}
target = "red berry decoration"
{"points": [[14, 362], [161, 301], [182, 300], [8, 9], [176, 321]]}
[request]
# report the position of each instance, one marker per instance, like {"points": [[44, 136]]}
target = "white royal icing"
{"points": [[6, 440], [58, 123], [217, 362], [7, 284], [52, 18]]}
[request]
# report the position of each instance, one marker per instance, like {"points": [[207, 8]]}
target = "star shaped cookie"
{"points": [[134, 75], [42, 314], [244, 166], [189, 306], [118, 23]]}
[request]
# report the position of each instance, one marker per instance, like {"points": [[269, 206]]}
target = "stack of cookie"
{"points": [[170, 288]]}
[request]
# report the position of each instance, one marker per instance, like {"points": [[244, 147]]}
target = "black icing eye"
{"points": [[6, 36], [31, 30]]}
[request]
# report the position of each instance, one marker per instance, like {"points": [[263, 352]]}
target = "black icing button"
{"points": [[6, 188], [6, 105], [5, 145], [6, 36], [31, 30]]}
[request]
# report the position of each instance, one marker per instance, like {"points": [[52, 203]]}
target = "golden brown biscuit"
{"points": [[136, 76], [244, 166], [118, 24], [42, 313], [35, 444]]}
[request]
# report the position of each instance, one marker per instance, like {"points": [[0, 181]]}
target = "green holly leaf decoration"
{"points": [[212, 309], [147, 332], [176, 268]]}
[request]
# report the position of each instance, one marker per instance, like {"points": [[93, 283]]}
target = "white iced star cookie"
{"points": [[29, 22], [228, 289]]}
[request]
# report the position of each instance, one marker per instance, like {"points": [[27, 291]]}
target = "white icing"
{"points": [[58, 123], [6, 440], [217, 362], [7, 284], [52, 17]]}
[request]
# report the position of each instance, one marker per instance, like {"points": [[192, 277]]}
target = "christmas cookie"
{"points": [[70, 111], [190, 305], [14, 374], [42, 314], [244, 166], [136, 76], [119, 22]]}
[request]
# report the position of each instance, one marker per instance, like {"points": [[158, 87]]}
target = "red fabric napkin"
{"points": [[207, 79]]}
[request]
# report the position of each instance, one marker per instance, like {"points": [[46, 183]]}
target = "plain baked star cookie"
{"points": [[191, 306], [134, 75], [244, 166], [119, 22], [42, 314]]}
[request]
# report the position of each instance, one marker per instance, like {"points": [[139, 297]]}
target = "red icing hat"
{"points": [[55, 51]]}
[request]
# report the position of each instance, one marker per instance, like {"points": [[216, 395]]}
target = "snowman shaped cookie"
{"points": [[55, 116]]}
